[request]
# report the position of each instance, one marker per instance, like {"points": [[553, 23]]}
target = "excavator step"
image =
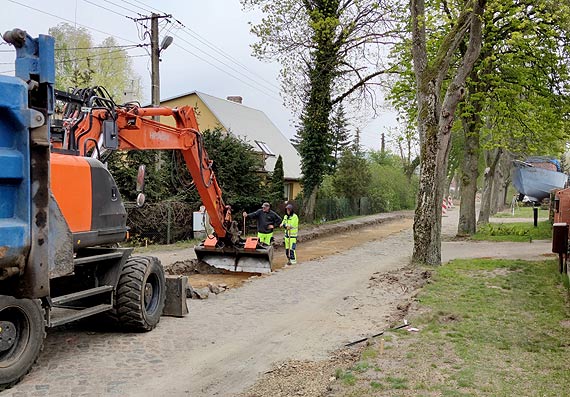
{"points": [[98, 258], [63, 316], [60, 300]]}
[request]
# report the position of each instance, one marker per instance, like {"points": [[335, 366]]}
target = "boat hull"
{"points": [[536, 183]]}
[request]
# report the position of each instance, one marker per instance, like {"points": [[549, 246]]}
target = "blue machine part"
{"points": [[15, 204], [34, 63]]}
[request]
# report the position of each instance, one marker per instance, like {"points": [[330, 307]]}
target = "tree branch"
{"points": [[360, 84]]}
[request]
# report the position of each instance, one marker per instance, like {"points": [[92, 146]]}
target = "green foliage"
{"points": [[384, 158], [236, 167], [277, 185], [390, 189], [340, 135], [346, 377], [352, 176], [124, 168], [320, 45], [79, 64], [520, 231], [523, 76]]}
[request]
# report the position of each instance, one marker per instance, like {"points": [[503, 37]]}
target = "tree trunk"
{"points": [[469, 174], [310, 204], [427, 219], [485, 210], [435, 119]]}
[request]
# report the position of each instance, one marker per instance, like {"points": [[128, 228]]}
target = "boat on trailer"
{"points": [[536, 177]]}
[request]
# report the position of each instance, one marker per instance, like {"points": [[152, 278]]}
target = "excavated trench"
{"points": [[315, 243]]}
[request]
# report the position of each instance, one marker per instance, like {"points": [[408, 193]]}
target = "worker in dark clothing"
{"points": [[267, 220]]}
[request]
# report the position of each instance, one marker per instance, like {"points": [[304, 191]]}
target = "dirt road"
{"points": [[228, 341]]}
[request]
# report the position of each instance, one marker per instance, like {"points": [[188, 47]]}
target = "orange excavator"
{"points": [[61, 213], [92, 125]]}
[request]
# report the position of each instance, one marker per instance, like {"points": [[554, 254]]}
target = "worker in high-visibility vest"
{"points": [[291, 225]]}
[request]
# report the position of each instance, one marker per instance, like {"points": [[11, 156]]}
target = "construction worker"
{"points": [[266, 222], [291, 225]]}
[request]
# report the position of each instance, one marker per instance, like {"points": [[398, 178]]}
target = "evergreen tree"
{"points": [[352, 177], [277, 185], [356, 147], [340, 135]]}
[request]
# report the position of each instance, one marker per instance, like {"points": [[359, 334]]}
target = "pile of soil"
{"points": [[189, 267]]}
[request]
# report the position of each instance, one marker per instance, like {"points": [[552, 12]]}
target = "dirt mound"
{"points": [[192, 266], [302, 378], [320, 378]]}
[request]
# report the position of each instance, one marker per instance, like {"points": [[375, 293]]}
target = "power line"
{"points": [[147, 6], [101, 55], [226, 72], [194, 35], [130, 46], [108, 9], [209, 44], [70, 21], [123, 7], [228, 66]]}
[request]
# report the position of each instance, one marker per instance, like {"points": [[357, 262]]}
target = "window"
{"points": [[288, 191], [265, 148]]}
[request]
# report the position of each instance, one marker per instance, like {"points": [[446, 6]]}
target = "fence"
{"points": [[167, 222], [329, 209], [160, 223]]}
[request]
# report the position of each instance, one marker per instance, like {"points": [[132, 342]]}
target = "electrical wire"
{"points": [[196, 36], [103, 59], [217, 49], [229, 66], [129, 46], [108, 9], [224, 71], [145, 5], [70, 21], [123, 7]]}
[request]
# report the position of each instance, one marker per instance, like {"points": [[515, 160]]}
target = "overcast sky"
{"points": [[212, 55]]}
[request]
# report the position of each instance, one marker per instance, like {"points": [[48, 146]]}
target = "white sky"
{"points": [[220, 22]]}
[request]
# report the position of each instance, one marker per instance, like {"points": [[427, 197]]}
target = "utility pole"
{"points": [[154, 59], [155, 51]]}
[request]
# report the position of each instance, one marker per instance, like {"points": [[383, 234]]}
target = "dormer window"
{"points": [[265, 148]]}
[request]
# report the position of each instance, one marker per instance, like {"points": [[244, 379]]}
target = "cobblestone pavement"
{"points": [[303, 312]]}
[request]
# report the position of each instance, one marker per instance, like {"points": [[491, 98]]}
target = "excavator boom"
{"points": [[97, 129]]}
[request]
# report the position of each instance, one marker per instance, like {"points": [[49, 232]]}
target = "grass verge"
{"points": [[522, 212], [518, 232], [486, 328]]}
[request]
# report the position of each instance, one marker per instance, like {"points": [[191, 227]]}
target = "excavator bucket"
{"points": [[250, 257]]}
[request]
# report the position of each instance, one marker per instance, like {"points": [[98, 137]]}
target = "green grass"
{"points": [[522, 212], [487, 328], [520, 231]]}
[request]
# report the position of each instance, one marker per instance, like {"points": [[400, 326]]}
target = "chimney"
{"points": [[236, 99]]}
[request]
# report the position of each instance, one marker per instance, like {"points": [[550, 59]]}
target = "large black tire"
{"points": [[140, 293], [21, 338]]}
